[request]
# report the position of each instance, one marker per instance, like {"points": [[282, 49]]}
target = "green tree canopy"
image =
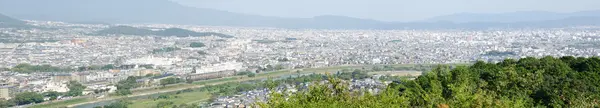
{"points": [[165, 49], [523, 83], [251, 74], [28, 68], [75, 88], [124, 87], [128, 30], [108, 66], [197, 44], [28, 97], [170, 80], [52, 94]]}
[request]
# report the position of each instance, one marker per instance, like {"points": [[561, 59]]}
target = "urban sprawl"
{"points": [[79, 53]]}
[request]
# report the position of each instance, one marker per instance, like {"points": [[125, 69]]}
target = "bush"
{"points": [[28, 97], [528, 82], [197, 44], [244, 73], [251, 75], [164, 104]]}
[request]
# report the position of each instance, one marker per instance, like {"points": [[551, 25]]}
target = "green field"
{"points": [[204, 96], [178, 99], [215, 80], [60, 103]]}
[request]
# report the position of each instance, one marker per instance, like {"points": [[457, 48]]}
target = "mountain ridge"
{"points": [[7, 21], [146, 11], [512, 17], [128, 30]]}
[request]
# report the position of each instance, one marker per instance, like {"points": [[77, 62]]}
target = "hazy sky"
{"points": [[389, 10]]}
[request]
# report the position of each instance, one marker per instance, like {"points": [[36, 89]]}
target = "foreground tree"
{"points": [[528, 82]]}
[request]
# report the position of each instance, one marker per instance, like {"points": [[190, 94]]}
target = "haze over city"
{"points": [[299, 54], [389, 10]]}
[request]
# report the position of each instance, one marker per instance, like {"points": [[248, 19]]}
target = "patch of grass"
{"points": [[198, 84], [177, 99], [173, 86], [308, 70], [331, 69], [273, 73], [60, 104], [215, 80]]}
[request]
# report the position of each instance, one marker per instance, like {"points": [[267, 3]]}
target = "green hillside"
{"points": [[125, 30], [128, 30], [525, 83]]}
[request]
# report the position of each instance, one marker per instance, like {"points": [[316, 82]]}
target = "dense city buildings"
{"points": [[74, 52]]}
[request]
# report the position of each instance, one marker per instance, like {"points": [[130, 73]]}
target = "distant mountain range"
{"points": [[168, 12], [128, 30], [6, 21], [522, 16]]}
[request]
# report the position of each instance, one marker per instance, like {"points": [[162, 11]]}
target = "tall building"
{"points": [[6, 91], [145, 72], [61, 77], [80, 77], [227, 66]]}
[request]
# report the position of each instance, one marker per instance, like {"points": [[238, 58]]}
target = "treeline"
{"points": [[24, 98], [28, 68], [229, 89], [128, 30], [232, 88], [417, 67], [170, 80], [124, 86], [355, 74], [270, 68], [246, 73], [96, 67], [197, 44], [527, 82], [165, 49]]}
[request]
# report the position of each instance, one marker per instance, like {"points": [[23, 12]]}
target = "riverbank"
{"points": [[199, 84]]}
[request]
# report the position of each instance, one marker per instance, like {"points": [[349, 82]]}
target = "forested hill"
{"points": [[524, 83], [128, 30], [6, 21]]}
